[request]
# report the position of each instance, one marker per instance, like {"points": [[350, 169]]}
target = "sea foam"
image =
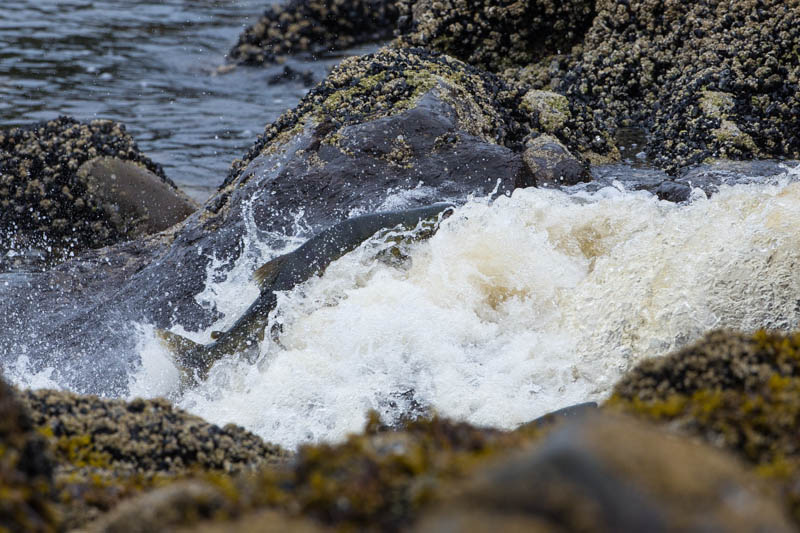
{"points": [[514, 308]]}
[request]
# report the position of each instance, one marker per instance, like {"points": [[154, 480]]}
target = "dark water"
{"points": [[151, 65]]}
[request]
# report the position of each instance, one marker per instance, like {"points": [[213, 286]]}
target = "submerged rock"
{"points": [[315, 26], [67, 186], [737, 391]]}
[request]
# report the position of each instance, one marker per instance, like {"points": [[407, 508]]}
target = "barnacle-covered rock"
{"points": [[26, 470], [314, 26], [66, 186], [734, 390]]}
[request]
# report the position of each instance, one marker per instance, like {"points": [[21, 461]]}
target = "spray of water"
{"points": [[514, 308]]}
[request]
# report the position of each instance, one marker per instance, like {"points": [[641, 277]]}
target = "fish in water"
{"points": [[284, 273]]}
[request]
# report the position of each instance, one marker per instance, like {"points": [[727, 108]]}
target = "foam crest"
{"points": [[513, 309]]}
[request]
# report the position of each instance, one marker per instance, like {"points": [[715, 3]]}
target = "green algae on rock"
{"points": [[314, 26], [737, 391], [392, 80], [45, 202], [26, 470]]}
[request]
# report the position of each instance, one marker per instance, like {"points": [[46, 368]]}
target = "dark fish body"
{"points": [[284, 273]]}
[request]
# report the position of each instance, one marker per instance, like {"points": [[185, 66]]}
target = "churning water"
{"points": [[512, 309]]}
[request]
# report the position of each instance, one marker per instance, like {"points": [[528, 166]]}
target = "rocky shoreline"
{"points": [[703, 438], [469, 98]]}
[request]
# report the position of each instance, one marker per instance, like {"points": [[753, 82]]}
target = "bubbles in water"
{"points": [[513, 309]]}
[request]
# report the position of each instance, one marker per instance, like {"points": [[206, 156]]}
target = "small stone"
{"points": [[551, 164]]}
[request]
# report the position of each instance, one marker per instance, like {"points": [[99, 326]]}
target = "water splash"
{"points": [[513, 309]]}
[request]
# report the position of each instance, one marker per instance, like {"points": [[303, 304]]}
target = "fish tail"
{"points": [[189, 356]]}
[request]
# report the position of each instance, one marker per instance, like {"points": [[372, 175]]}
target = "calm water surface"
{"points": [[151, 65]]}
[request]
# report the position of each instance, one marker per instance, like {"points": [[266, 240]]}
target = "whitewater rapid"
{"points": [[514, 308]]}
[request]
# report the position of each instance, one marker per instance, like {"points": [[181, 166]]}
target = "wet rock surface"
{"points": [[49, 205], [399, 120], [315, 26], [406, 124]]}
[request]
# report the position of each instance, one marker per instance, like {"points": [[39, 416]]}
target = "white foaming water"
{"points": [[512, 309]]}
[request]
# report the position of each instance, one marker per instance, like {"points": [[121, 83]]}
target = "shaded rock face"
{"points": [[609, 474], [26, 469], [737, 391], [315, 26], [53, 199], [394, 130]]}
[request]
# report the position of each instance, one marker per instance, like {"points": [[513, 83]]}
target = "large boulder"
{"points": [[738, 391], [398, 120], [67, 186], [393, 130]]}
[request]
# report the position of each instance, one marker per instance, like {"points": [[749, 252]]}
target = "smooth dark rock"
{"points": [[135, 200], [566, 413]]}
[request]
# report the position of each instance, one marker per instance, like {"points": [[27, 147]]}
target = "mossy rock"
{"points": [[737, 391]]}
